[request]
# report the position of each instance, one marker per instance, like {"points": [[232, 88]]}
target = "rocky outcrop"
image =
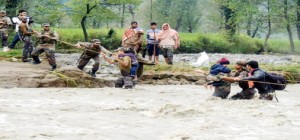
{"points": [[169, 78], [26, 75], [73, 77]]}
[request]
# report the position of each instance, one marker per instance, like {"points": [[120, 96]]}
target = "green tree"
{"points": [[48, 11], [184, 15]]}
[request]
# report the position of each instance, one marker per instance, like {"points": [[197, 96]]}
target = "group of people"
{"points": [[24, 32], [129, 58], [248, 75]]}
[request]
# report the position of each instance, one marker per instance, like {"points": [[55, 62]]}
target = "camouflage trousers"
{"points": [[222, 91], [49, 54], [244, 94], [84, 60], [28, 47], [4, 37]]}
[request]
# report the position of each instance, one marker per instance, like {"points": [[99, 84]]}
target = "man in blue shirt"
{"points": [[152, 42]]}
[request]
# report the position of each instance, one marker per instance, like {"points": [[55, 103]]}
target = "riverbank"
{"points": [[146, 112]]}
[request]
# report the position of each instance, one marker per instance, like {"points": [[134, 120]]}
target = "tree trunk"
{"points": [[83, 21], [11, 6], [288, 26], [230, 24], [178, 23], [265, 49], [123, 16], [255, 30], [151, 10], [298, 19], [249, 23]]}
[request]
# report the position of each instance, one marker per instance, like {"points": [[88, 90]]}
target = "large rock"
{"points": [[72, 77]]}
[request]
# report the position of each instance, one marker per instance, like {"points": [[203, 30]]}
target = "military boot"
{"points": [[93, 74], [53, 67]]}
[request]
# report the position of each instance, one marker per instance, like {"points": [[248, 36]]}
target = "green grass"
{"points": [[12, 53], [283, 46]]}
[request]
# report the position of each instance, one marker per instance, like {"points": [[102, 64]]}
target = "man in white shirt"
{"points": [[17, 21]]}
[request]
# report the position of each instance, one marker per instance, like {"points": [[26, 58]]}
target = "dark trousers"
{"points": [[84, 60], [27, 50], [49, 54], [150, 48], [133, 69], [244, 94], [15, 41], [4, 37]]}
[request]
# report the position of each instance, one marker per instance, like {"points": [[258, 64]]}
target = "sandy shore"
{"points": [[147, 112]]}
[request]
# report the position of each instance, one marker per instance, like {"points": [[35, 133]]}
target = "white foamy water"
{"points": [[145, 113]]}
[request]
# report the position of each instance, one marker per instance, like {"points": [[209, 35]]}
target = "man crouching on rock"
{"points": [[91, 51], [125, 65]]}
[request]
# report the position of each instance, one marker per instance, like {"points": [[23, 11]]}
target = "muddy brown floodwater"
{"points": [[145, 113]]}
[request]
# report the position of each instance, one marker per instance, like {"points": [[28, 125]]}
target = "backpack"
{"points": [[278, 80]]}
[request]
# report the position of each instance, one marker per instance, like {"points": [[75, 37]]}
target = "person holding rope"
{"points": [[124, 61], [5, 22], [152, 42], [259, 79], [248, 89], [91, 51], [25, 32], [47, 41]]}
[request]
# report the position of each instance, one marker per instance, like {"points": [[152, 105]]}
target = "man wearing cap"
{"points": [[124, 62], [218, 70], [91, 51], [47, 41], [248, 90], [256, 74], [25, 32], [4, 23]]}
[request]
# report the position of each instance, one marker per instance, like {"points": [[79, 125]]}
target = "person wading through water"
{"points": [[222, 88], [91, 51], [248, 90], [124, 63], [168, 42], [47, 41], [257, 75]]}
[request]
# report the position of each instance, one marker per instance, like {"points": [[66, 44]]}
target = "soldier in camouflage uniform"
{"points": [[248, 90], [91, 51], [4, 23], [47, 41]]}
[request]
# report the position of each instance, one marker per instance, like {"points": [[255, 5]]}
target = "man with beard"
{"points": [[248, 90]]}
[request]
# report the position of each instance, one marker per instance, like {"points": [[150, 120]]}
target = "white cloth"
{"points": [[18, 21], [203, 60]]}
